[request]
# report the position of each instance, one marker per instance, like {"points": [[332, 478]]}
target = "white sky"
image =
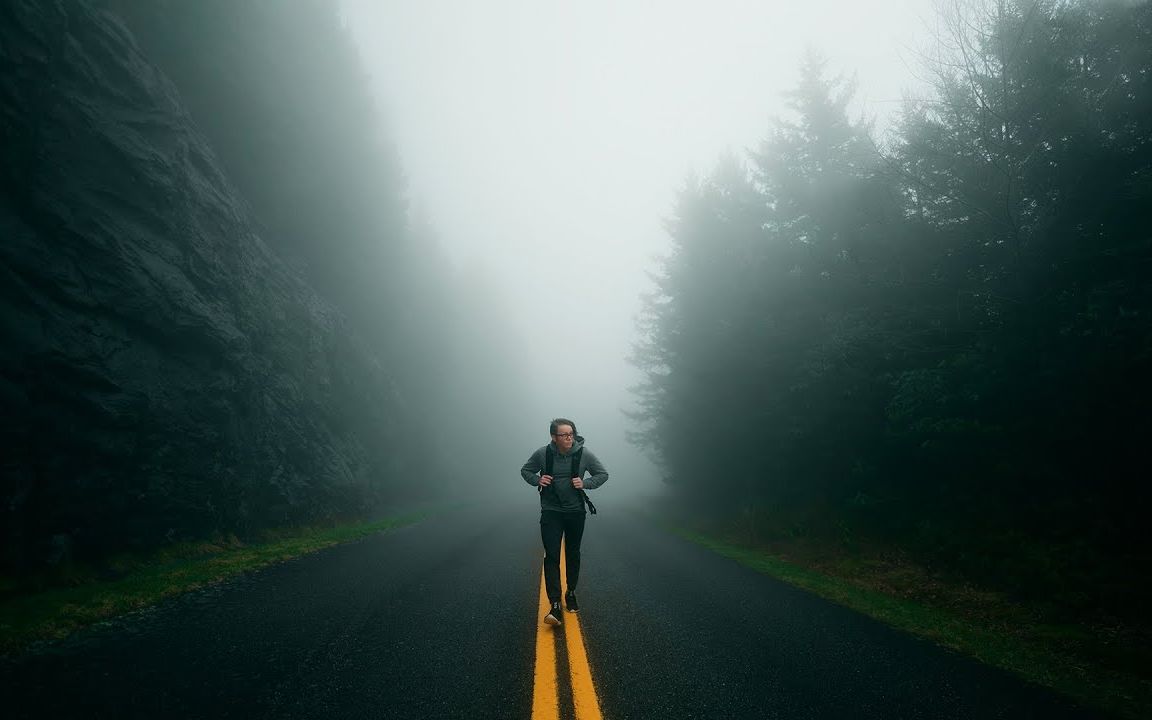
{"points": [[546, 140]]}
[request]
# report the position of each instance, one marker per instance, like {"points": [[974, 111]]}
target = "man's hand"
{"points": [[577, 483], [545, 480]]}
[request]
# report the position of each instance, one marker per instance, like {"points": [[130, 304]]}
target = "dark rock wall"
{"points": [[162, 373]]}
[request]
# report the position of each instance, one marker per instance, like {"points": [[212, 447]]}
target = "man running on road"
{"points": [[561, 484]]}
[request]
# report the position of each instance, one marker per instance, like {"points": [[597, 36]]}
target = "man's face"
{"points": [[564, 438]]}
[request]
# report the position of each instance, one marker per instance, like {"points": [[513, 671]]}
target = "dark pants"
{"points": [[554, 526]]}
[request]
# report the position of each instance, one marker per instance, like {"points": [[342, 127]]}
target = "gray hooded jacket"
{"points": [[561, 495]]}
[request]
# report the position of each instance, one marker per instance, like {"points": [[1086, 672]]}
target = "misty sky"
{"points": [[546, 141]]}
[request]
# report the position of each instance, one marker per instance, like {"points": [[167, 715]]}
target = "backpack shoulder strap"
{"points": [[576, 458], [548, 459]]}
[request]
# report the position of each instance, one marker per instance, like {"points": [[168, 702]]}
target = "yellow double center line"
{"points": [[545, 699]]}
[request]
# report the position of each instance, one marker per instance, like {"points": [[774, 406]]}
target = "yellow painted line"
{"points": [[583, 691], [545, 702]]}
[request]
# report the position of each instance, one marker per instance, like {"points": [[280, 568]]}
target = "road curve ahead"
{"points": [[442, 620]]}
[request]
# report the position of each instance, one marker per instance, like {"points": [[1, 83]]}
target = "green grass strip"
{"points": [[1028, 657], [54, 614]]}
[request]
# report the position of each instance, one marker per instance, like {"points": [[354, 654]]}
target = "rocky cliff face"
{"points": [[162, 373]]}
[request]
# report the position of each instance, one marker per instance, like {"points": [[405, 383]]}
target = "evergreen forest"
{"points": [[936, 339]]}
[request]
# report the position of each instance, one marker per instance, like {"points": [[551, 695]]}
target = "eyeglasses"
{"points": [[564, 435]]}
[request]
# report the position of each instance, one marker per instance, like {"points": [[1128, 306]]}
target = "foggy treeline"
{"points": [[937, 339]]}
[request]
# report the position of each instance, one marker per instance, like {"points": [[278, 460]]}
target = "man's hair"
{"points": [[561, 421]]}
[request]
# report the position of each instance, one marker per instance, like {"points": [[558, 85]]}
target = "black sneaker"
{"points": [[570, 601], [555, 615]]}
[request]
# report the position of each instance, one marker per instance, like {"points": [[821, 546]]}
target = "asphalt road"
{"points": [[439, 620]]}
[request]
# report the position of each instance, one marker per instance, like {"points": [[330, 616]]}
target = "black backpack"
{"points": [[576, 457]]}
